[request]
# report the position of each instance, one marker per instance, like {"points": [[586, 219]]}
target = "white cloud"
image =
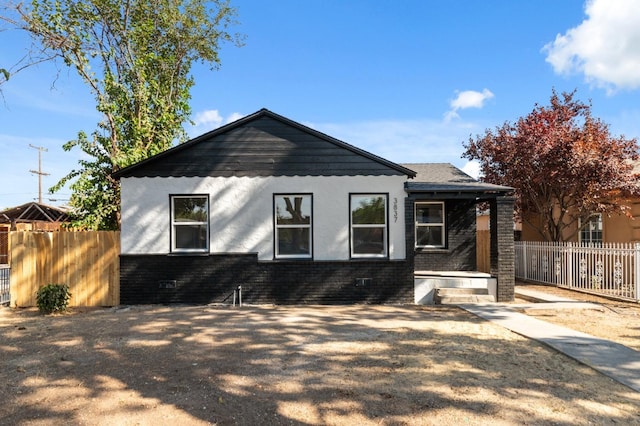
{"points": [[209, 120], [471, 99], [467, 99], [472, 168], [605, 47], [234, 116]]}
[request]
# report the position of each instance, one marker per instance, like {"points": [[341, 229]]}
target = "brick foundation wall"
{"points": [[213, 279]]}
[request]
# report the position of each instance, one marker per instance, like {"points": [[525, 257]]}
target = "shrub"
{"points": [[53, 298]]}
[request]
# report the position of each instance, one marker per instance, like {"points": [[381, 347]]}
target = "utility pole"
{"points": [[39, 172]]}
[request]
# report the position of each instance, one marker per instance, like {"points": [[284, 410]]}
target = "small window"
{"points": [[429, 226], [591, 233], [368, 225], [189, 223], [293, 225]]}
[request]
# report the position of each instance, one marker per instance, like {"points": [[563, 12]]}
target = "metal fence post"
{"points": [[569, 273], [636, 274], [524, 260]]}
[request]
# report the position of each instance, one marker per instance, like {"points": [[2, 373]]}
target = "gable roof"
{"points": [[443, 180], [33, 212], [263, 144]]}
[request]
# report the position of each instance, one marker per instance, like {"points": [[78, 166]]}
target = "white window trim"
{"points": [[174, 223], [429, 225], [580, 240], [276, 227], [385, 227]]}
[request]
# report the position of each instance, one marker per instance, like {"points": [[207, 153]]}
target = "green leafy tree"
{"points": [[563, 163], [136, 57], [10, 19]]}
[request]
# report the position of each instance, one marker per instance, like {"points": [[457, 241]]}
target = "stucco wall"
{"points": [[241, 212], [616, 228]]}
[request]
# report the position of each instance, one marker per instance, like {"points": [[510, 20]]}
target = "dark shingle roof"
{"points": [[438, 172], [447, 181]]}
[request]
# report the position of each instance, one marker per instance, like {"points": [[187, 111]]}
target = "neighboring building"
{"points": [[33, 217], [293, 215], [614, 227], [28, 217], [602, 228]]}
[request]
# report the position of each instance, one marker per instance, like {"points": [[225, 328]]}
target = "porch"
{"points": [[473, 284]]}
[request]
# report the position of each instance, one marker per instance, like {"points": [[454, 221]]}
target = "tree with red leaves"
{"points": [[563, 163]]}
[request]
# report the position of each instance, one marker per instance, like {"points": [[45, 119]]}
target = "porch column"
{"points": [[502, 247]]}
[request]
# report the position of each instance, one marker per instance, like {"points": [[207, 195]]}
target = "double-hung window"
{"points": [[189, 223], [591, 232], [368, 225], [293, 225], [429, 225]]}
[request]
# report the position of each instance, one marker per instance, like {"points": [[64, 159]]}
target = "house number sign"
{"points": [[395, 209]]}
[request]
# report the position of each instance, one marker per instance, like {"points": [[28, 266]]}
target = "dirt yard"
{"points": [[612, 319], [356, 365]]}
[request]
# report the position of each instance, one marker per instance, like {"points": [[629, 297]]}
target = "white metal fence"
{"points": [[4, 284], [607, 269]]}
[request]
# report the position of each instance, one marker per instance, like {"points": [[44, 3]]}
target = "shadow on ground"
{"points": [[291, 365]]}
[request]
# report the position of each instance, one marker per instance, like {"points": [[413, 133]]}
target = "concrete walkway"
{"points": [[617, 361]]}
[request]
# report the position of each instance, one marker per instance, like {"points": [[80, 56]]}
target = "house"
{"points": [[613, 227], [291, 215], [601, 228]]}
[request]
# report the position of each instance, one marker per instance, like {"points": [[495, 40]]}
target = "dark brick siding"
{"points": [[460, 251], [502, 247], [213, 278]]}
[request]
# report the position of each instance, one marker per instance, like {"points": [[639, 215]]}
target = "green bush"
{"points": [[53, 298]]}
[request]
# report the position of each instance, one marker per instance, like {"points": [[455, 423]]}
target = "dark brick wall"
{"points": [[502, 247], [213, 278], [460, 251]]}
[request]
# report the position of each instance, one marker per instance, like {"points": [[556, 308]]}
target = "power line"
{"points": [[39, 172]]}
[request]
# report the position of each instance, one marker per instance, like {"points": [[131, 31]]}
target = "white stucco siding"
{"points": [[241, 212]]}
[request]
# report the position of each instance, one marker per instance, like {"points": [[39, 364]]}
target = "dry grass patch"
{"points": [[357, 365]]}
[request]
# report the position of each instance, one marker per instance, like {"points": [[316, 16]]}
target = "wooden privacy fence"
{"points": [[483, 251], [88, 262]]}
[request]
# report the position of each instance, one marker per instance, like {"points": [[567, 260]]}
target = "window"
{"points": [[368, 225], [189, 223], [591, 233], [429, 225], [293, 225]]}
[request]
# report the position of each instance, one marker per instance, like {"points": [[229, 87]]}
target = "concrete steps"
{"points": [[458, 295]]}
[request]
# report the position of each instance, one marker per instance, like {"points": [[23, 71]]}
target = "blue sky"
{"points": [[408, 80]]}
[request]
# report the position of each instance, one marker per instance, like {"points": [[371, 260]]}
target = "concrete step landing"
{"points": [[458, 295]]}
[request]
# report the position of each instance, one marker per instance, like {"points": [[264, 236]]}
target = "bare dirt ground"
{"points": [[317, 365], [612, 319]]}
